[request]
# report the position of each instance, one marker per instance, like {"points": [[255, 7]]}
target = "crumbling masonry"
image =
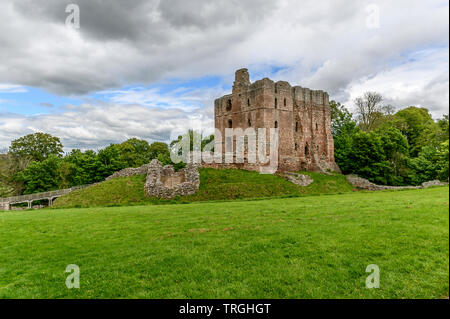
{"points": [[301, 115]]}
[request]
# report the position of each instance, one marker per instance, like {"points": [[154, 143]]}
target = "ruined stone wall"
{"points": [[164, 182], [127, 172], [301, 115]]}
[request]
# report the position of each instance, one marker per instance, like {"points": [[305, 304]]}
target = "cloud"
{"points": [[12, 88], [423, 81]]}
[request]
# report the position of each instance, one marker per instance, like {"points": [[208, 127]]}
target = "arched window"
{"points": [[249, 123], [276, 103], [230, 124], [229, 105], [248, 102], [276, 124], [306, 150], [285, 103]]}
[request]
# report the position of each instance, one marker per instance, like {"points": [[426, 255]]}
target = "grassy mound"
{"points": [[311, 247], [214, 185]]}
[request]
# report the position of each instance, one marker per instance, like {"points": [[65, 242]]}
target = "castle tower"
{"points": [[301, 115]]}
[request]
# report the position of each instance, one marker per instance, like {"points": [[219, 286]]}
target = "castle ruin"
{"points": [[302, 117]]}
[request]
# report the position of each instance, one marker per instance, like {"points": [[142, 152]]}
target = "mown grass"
{"points": [[306, 247], [214, 185]]}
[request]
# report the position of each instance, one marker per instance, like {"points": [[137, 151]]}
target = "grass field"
{"points": [[214, 185], [305, 247]]}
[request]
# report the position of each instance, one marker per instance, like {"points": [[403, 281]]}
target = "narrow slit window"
{"points": [[230, 124], [276, 124], [276, 103]]}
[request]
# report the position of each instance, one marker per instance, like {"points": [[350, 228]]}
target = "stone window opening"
{"points": [[229, 105], [296, 146], [296, 126], [317, 127], [248, 102], [306, 150], [276, 124], [230, 124], [249, 123], [276, 103], [285, 102]]}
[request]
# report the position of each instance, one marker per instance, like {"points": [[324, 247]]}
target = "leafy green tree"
{"points": [[83, 168], [443, 124], [443, 161], [424, 167], [396, 151], [367, 158], [418, 127], [159, 149], [343, 128], [134, 152], [41, 176], [37, 147]]}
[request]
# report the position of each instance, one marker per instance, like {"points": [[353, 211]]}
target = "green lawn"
{"points": [[305, 247], [215, 185]]}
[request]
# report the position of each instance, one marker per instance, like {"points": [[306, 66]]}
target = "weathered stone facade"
{"points": [[164, 182], [301, 115]]}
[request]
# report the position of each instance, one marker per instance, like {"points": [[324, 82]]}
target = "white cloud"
{"points": [[12, 88], [422, 81]]}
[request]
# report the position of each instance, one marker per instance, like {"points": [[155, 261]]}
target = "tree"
{"points": [[41, 176], [37, 147], [134, 152], [396, 151], [159, 149], [370, 111], [367, 157], [418, 127], [443, 124], [424, 167], [443, 161]]}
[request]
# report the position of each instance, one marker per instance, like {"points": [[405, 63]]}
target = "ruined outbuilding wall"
{"points": [[301, 115]]}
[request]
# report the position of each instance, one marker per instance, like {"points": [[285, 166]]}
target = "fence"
{"points": [[39, 196]]}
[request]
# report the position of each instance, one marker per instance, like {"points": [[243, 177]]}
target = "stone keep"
{"points": [[301, 115]]}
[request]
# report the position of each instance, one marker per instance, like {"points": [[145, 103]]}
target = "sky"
{"points": [[151, 69]]}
